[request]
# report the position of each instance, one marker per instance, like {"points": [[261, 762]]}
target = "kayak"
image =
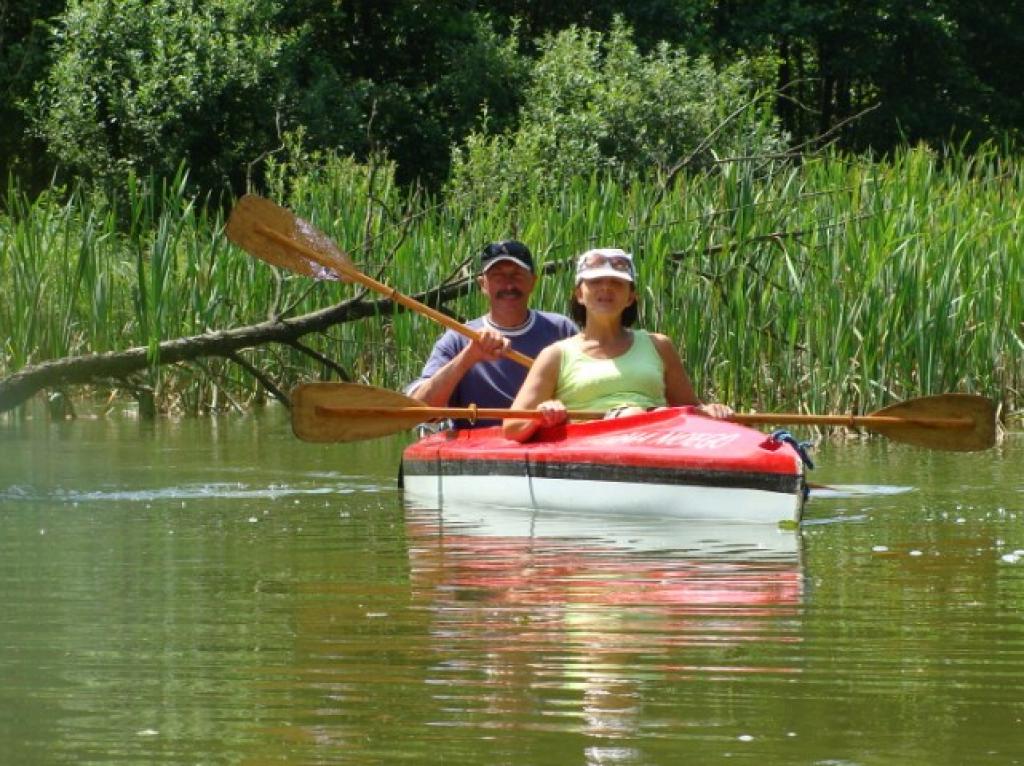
{"points": [[670, 462], [639, 535]]}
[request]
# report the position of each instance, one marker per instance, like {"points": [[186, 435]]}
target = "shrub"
{"points": [[144, 85], [595, 103]]}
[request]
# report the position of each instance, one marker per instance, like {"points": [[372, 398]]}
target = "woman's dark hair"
{"points": [[578, 312]]}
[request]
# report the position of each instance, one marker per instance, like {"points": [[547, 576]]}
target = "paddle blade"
{"points": [[265, 230], [979, 433], [312, 425]]}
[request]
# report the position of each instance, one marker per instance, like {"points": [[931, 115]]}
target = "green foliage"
{"points": [[933, 71], [834, 284], [677, 22], [404, 77], [595, 103], [148, 85], [24, 58], [145, 85], [107, 85]]}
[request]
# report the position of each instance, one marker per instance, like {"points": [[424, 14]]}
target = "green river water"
{"points": [[216, 592]]}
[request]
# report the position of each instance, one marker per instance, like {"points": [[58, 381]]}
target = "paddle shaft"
{"points": [[495, 413], [850, 421], [470, 413], [410, 303], [324, 412]]}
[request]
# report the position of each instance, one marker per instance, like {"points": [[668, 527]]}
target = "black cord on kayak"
{"points": [[785, 437]]}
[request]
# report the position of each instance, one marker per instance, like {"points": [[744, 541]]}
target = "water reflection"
{"points": [[585, 616]]}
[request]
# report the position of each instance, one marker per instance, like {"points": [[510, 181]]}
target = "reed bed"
{"points": [[839, 284]]}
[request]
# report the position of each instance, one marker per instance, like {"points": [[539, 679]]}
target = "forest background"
{"points": [[824, 196]]}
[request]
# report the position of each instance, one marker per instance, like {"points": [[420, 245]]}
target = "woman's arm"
{"points": [[536, 393], [678, 388]]}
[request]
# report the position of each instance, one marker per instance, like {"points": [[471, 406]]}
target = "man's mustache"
{"points": [[512, 292]]}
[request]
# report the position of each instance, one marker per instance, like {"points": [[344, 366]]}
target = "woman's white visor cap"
{"points": [[605, 262]]}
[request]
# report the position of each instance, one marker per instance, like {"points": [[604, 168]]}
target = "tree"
{"points": [[934, 70], [24, 58], [404, 76], [677, 22], [595, 103], [217, 85], [149, 85]]}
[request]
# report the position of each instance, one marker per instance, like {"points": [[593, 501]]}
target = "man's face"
{"points": [[505, 283]]}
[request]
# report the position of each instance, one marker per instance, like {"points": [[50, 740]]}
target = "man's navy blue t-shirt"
{"points": [[495, 384]]}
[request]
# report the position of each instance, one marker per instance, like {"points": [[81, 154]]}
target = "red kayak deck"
{"points": [[673, 447]]}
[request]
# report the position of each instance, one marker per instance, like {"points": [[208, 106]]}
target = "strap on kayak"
{"points": [[431, 427], [782, 436]]}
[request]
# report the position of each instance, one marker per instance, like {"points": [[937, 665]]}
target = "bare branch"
{"points": [[92, 368], [324, 360], [265, 381]]}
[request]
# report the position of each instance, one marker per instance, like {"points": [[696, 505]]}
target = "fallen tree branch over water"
{"points": [[19, 387]]}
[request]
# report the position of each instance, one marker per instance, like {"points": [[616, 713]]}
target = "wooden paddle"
{"points": [[341, 412], [344, 412], [279, 237]]}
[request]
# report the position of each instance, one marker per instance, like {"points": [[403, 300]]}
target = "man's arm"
{"points": [[437, 390]]}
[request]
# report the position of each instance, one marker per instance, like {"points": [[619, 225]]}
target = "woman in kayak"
{"points": [[607, 366]]}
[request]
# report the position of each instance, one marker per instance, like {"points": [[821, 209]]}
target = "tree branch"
{"points": [[267, 383], [82, 370], [324, 360]]}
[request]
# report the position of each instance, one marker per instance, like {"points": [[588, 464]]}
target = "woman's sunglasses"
{"points": [[595, 260]]}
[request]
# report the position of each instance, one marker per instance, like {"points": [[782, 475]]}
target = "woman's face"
{"points": [[605, 295]]}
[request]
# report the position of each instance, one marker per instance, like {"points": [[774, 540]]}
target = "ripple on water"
{"points": [[201, 491]]}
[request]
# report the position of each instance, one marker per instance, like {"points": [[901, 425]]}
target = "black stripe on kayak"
{"points": [[768, 482]]}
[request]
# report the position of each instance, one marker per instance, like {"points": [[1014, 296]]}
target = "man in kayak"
{"points": [[607, 366], [460, 372]]}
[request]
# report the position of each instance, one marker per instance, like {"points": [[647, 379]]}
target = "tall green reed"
{"points": [[839, 283]]}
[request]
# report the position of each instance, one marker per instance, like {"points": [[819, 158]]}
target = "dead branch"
{"points": [[17, 388]]}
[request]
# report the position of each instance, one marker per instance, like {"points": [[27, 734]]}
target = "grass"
{"points": [[834, 285]]}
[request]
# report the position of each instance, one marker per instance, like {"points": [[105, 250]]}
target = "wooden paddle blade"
{"points": [[310, 425], [978, 431], [276, 235], [253, 223]]}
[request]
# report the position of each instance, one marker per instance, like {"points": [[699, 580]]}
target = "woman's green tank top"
{"points": [[636, 378]]}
